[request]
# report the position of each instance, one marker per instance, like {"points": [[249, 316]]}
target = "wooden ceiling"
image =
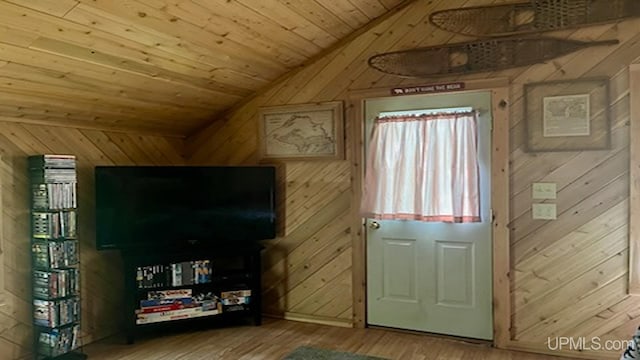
{"points": [[161, 66]]}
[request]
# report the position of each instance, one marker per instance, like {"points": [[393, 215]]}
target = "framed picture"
{"points": [[567, 115], [302, 132]]}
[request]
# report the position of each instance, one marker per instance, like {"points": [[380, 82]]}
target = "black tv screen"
{"points": [[168, 207]]}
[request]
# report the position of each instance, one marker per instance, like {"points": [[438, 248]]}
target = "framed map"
{"points": [[567, 115], [302, 132]]}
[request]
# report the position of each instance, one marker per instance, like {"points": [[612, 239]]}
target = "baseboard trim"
{"points": [[313, 319]]}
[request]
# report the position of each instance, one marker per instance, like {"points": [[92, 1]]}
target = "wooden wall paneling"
{"points": [[235, 18], [634, 181], [556, 70], [297, 244], [352, 50], [591, 231], [316, 197], [604, 61], [53, 7], [170, 152], [202, 56], [276, 258], [321, 280], [337, 294], [210, 143], [21, 87], [280, 91], [371, 8], [517, 136], [103, 58], [16, 36], [357, 74], [573, 193], [566, 173], [553, 299], [113, 154], [159, 21], [132, 148], [78, 143], [564, 169], [328, 194], [33, 62], [47, 25], [592, 206], [366, 77], [304, 251], [583, 305], [590, 244], [77, 70], [285, 16], [346, 11], [339, 306], [609, 320], [301, 269], [173, 98], [571, 65], [320, 16]]}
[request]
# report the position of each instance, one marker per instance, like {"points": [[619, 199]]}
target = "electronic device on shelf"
{"points": [[176, 206]]}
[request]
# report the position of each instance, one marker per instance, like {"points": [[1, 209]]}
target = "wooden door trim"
{"points": [[499, 89], [634, 181]]}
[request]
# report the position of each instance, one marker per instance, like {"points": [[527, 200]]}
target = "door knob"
{"points": [[374, 225]]}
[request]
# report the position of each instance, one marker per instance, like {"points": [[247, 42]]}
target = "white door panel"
{"points": [[434, 277], [399, 270]]}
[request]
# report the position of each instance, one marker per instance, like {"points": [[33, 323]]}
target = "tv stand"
{"points": [[191, 287]]}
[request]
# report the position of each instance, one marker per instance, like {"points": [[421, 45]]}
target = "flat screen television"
{"points": [[148, 207]]}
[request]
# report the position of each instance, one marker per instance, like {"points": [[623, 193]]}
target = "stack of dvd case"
{"points": [[55, 256]]}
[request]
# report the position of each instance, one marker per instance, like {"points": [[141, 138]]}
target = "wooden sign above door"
{"points": [[427, 89]]}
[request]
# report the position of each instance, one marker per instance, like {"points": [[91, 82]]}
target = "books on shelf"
{"points": [[169, 294], [55, 342], [235, 294], [55, 313], [58, 254], [56, 196], [145, 303], [53, 168], [48, 225], [174, 315], [175, 274], [190, 272], [176, 304], [50, 284], [168, 305]]}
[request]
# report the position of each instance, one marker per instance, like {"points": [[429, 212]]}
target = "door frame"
{"points": [[499, 88]]}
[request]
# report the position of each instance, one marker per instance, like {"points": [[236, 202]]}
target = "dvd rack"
{"points": [[55, 257]]}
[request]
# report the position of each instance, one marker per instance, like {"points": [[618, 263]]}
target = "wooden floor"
{"points": [[275, 338]]}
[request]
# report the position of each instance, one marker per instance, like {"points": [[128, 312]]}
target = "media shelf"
{"points": [[55, 257], [192, 286]]}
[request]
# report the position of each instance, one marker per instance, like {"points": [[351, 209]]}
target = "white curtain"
{"points": [[423, 167]]}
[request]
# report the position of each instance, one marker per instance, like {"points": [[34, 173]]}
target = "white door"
{"points": [[434, 277]]}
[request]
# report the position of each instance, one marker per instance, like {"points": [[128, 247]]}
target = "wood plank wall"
{"points": [[102, 282], [569, 276]]}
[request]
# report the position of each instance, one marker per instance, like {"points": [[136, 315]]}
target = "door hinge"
{"points": [[492, 216]]}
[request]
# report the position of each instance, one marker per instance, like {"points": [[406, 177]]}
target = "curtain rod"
{"points": [[426, 111]]}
